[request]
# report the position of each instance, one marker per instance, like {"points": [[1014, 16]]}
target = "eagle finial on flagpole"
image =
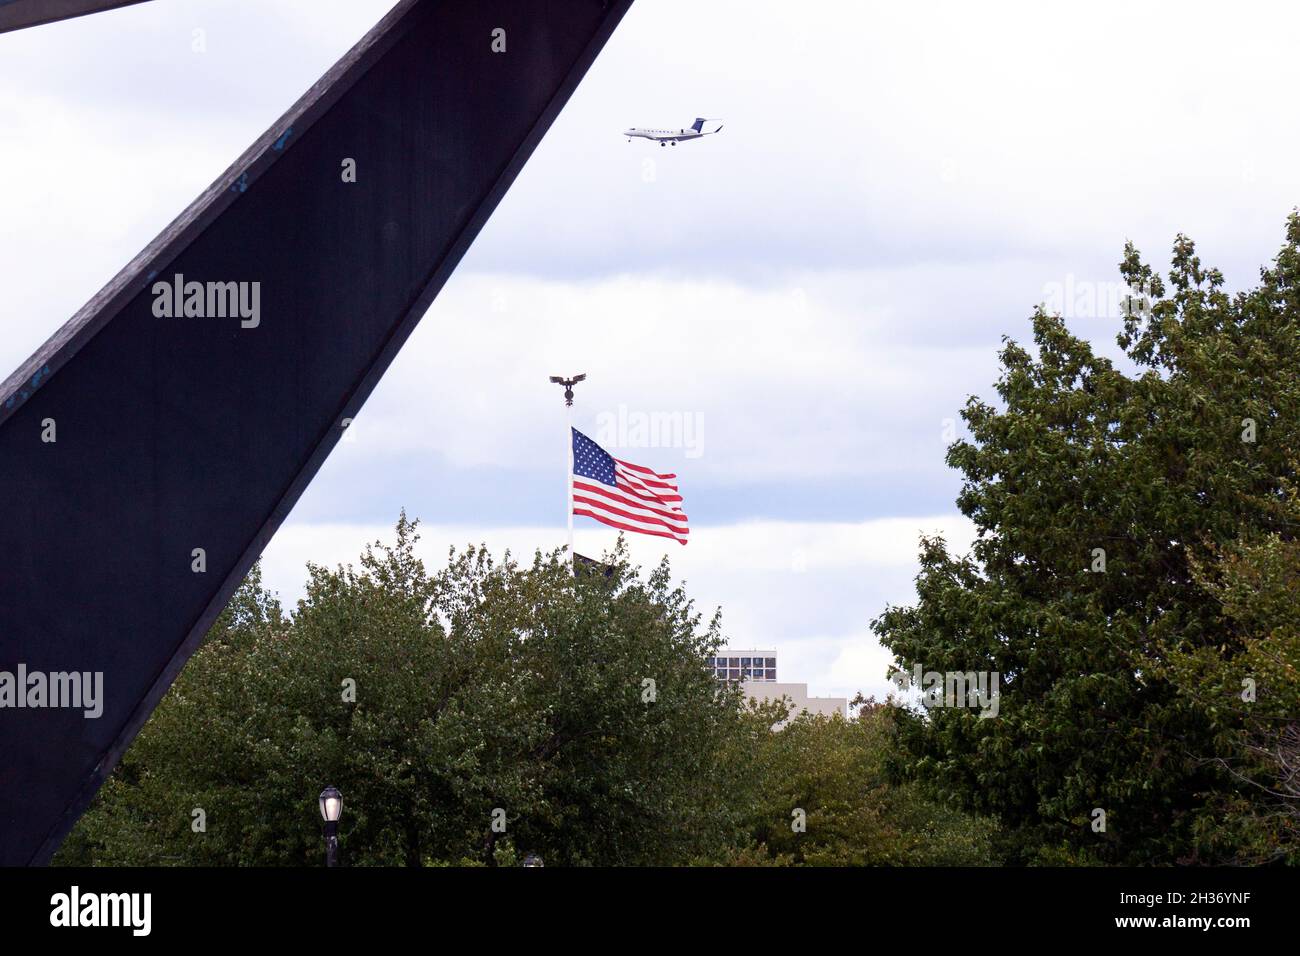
{"points": [[568, 384]]}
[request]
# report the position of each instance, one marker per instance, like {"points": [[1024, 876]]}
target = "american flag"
{"points": [[623, 495]]}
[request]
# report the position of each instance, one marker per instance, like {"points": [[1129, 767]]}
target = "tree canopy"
{"points": [[476, 714], [481, 713], [1135, 560]]}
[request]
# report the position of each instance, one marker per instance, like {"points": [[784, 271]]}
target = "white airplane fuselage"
{"points": [[701, 127]]}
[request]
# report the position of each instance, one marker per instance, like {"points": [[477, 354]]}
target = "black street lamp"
{"points": [[331, 808]]}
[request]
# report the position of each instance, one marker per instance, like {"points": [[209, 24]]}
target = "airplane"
{"points": [[701, 127]]}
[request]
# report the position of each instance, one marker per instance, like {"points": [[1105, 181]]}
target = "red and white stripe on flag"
{"points": [[625, 496]]}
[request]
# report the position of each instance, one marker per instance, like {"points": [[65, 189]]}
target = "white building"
{"points": [[756, 669]]}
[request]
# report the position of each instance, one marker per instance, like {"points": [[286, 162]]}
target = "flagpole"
{"points": [[568, 384], [568, 478]]}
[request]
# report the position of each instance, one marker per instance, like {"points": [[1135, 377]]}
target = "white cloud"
{"points": [[785, 383], [922, 132]]}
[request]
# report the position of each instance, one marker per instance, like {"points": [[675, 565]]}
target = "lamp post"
{"points": [[331, 808]]}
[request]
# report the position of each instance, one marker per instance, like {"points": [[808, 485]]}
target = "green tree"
{"points": [[579, 711], [821, 792], [1153, 472], [1252, 688]]}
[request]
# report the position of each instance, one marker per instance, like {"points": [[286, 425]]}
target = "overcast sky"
{"points": [[816, 289]]}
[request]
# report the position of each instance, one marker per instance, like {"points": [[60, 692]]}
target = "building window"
{"points": [[742, 668]]}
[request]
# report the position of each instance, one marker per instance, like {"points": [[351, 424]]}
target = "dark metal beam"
{"points": [[173, 434], [16, 14]]}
